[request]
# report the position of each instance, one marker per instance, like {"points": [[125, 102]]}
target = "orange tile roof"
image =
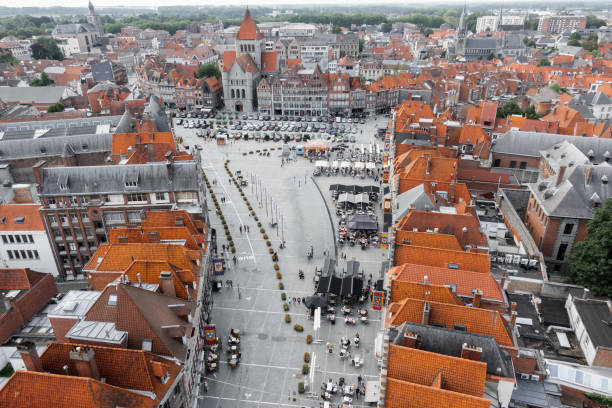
{"points": [[401, 290], [465, 281], [117, 257], [228, 60], [27, 389], [465, 227], [149, 272], [458, 374], [439, 169], [19, 279], [480, 321], [124, 368], [122, 141], [165, 234], [442, 258], [293, 62], [10, 217], [427, 239], [248, 29], [402, 394], [268, 61], [247, 64]]}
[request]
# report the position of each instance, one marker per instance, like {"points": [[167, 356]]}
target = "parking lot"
{"points": [[278, 128]]}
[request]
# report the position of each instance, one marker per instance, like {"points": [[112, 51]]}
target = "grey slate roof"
{"points": [[72, 124], [153, 110], [564, 154], [449, 342], [416, 197], [574, 198], [34, 94], [102, 72], [55, 146], [596, 315], [481, 43], [151, 177], [531, 143]]}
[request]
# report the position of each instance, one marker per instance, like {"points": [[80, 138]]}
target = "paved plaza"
{"points": [[272, 351]]}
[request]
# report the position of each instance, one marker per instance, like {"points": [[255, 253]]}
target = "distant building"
{"points": [[245, 66], [558, 24], [23, 240], [491, 23], [94, 19]]}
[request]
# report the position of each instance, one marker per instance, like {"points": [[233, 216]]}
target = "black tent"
{"points": [[362, 222], [323, 286], [312, 302], [351, 286], [352, 268], [335, 285]]}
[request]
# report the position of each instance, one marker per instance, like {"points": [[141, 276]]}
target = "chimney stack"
{"points": [[513, 317], [426, 313], [84, 362], [37, 170], [477, 298], [30, 357], [512, 307], [166, 282], [412, 340], [560, 175], [587, 175], [503, 280], [471, 352]]}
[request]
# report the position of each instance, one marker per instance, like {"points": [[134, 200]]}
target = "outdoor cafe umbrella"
{"points": [[362, 222], [312, 302]]}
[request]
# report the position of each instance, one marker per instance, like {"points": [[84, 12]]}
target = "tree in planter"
{"points": [[287, 318], [305, 369], [307, 357], [309, 339], [591, 259], [283, 296]]}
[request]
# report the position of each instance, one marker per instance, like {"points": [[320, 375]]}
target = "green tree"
{"points": [[530, 112], [509, 108], [209, 70], [427, 32], [574, 43], [575, 36], [470, 21], [594, 22], [8, 57], [46, 48], [56, 107], [386, 27], [361, 45], [336, 30], [557, 88], [591, 259], [544, 62], [531, 23], [44, 80], [491, 56]]}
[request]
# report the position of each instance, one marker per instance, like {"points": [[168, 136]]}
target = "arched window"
{"points": [[243, 97], [233, 94]]}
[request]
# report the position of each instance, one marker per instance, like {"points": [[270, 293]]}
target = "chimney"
{"points": [[587, 175], [29, 355], [426, 313], [428, 166], [513, 316], [153, 237], [7, 302], [138, 277], [84, 362], [179, 222], [503, 280], [166, 282], [560, 175], [512, 307], [412, 340], [37, 170], [477, 297], [471, 352]]}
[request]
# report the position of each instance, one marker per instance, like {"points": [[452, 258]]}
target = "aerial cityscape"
{"points": [[306, 205]]}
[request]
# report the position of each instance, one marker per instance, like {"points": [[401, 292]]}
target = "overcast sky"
{"points": [[144, 3]]}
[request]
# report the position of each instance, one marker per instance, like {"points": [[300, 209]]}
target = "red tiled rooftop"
{"points": [[19, 278], [248, 29], [465, 281], [458, 374], [402, 394], [27, 389], [20, 217], [427, 239], [465, 227], [481, 321], [442, 258]]}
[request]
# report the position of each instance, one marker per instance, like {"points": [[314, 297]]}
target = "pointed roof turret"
{"points": [[462, 28], [248, 29], [91, 7]]}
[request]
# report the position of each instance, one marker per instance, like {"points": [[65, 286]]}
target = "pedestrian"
{"points": [[234, 259], [223, 246], [227, 283], [231, 283], [248, 228], [293, 300], [241, 229], [357, 393], [289, 301]]}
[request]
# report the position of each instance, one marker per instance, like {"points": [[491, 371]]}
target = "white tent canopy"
{"points": [[359, 165], [321, 163], [345, 164], [335, 164], [370, 166]]}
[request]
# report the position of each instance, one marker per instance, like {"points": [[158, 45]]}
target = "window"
{"points": [[568, 229], [147, 344], [30, 238], [114, 217], [29, 254], [561, 252], [74, 218], [112, 299], [35, 252], [513, 164], [161, 196], [11, 239], [134, 217], [497, 163], [523, 165], [18, 239], [52, 219], [4, 239], [72, 246], [22, 253], [10, 254], [137, 198]]}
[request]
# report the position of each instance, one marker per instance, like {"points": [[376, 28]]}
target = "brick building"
{"points": [[24, 293], [559, 24]]}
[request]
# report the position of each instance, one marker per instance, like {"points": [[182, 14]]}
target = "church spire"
{"points": [[462, 28], [501, 19]]}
